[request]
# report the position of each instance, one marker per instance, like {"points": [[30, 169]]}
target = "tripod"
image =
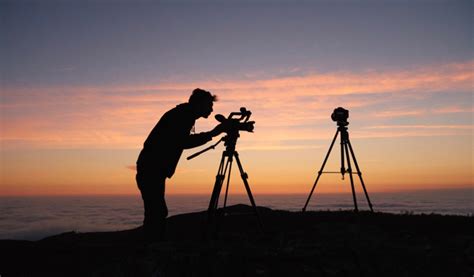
{"points": [[225, 168], [345, 147]]}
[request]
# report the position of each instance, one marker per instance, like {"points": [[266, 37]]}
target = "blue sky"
{"points": [[103, 42]]}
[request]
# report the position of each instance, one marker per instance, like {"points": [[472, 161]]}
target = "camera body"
{"points": [[237, 121], [340, 115]]}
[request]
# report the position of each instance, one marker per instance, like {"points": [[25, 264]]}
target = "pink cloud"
{"points": [[399, 113], [121, 116], [468, 127], [452, 109], [132, 167]]}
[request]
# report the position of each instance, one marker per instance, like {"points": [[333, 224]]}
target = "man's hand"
{"points": [[219, 129]]}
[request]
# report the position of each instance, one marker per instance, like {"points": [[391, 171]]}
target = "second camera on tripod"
{"points": [[340, 115]]}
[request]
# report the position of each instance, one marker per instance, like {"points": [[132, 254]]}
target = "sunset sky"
{"points": [[84, 82]]}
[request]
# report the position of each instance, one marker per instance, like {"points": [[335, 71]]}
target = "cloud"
{"points": [[465, 127], [265, 147], [399, 113], [433, 78], [396, 131], [453, 109], [283, 106], [132, 167]]}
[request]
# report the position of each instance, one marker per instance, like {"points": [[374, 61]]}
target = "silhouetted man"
{"points": [[161, 152]]}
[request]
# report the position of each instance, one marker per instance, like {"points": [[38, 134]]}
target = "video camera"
{"points": [[237, 121]]}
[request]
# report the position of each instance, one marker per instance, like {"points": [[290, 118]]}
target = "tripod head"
{"points": [[233, 124]]}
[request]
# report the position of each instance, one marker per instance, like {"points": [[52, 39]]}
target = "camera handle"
{"points": [[205, 150], [244, 115]]}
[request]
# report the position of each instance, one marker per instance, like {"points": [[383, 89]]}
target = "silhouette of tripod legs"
{"points": [[345, 155], [225, 168], [359, 173], [321, 170]]}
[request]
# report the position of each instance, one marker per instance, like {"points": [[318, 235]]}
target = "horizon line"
{"points": [[236, 194]]}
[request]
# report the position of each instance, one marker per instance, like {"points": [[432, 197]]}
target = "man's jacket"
{"points": [[164, 145]]}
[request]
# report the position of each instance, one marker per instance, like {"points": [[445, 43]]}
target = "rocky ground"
{"points": [[339, 243]]}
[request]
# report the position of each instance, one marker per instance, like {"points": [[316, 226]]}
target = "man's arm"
{"points": [[196, 140]]}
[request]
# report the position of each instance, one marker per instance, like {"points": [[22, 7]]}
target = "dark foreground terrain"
{"points": [[292, 244]]}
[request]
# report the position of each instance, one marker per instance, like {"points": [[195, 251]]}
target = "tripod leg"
{"points": [[360, 176], [343, 167], [229, 161], [349, 170], [217, 189], [247, 187], [320, 171]]}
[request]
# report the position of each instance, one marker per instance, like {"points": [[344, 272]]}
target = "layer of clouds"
{"points": [[296, 107]]}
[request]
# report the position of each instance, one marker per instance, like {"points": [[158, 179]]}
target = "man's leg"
{"points": [[161, 209], [153, 195]]}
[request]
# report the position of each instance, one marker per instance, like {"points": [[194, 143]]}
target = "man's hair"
{"points": [[200, 96]]}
